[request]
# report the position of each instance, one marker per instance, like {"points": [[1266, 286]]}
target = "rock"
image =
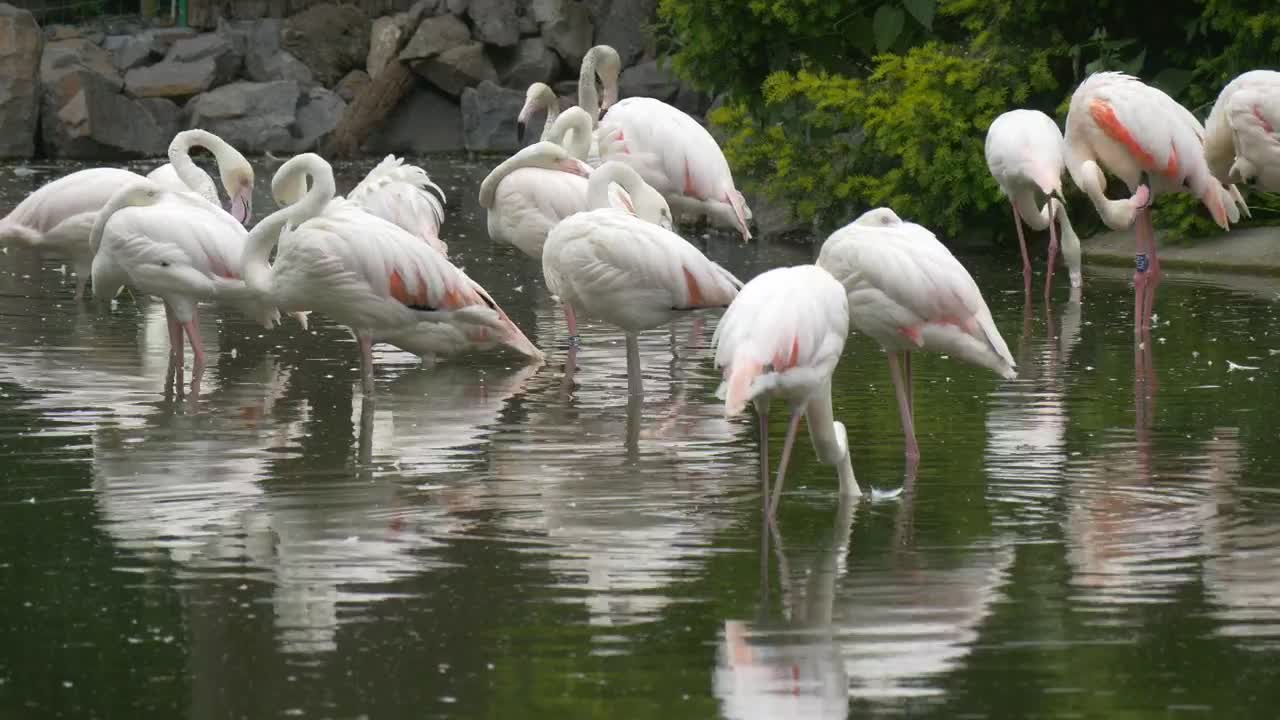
{"points": [[532, 62], [427, 120], [63, 57], [525, 21], [253, 117], [489, 118], [131, 51], [566, 28], [54, 33], [98, 123], [458, 69], [318, 114], [20, 49], [384, 43], [351, 85], [222, 50], [172, 79], [264, 60], [434, 36], [495, 22], [648, 79], [773, 219], [457, 7], [692, 102], [329, 39], [165, 113], [623, 24], [165, 37]]}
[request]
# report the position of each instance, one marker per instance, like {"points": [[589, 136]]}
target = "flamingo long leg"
{"points": [[634, 384], [1022, 243], [911, 386], [366, 361], [762, 412], [904, 407], [192, 328], [1053, 254], [571, 319], [1155, 274], [787, 444], [175, 335]]}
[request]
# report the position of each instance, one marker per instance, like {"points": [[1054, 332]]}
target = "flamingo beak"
{"points": [[242, 206], [520, 131]]}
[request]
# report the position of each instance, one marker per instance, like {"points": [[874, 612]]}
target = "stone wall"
{"points": [[280, 84]]}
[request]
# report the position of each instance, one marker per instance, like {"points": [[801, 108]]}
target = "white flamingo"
{"points": [[1024, 152], [181, 174], [530, 192], [628, 271], [539, 97], [673, 152], [783, 335], [909, 293], [368, 274], [1241, 143], [404, 195], [174, 246]]}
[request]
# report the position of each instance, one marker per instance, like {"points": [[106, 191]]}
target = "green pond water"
{"points": [[486, 539]]}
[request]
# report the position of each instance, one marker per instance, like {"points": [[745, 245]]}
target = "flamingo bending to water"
{"points": [[783, 336], [406, 196], [368, 274], [1154, 145], [1241, 143], [181, 174], [1024, 152], [530, 192], [910, 294], [611, 263]]}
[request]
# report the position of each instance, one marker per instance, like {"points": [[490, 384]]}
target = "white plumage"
{"points": [[1241, 143], [530, 193], [783, 335], [403, 194], [909, 293]]}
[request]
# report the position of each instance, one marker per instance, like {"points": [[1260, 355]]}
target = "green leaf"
{"points": [[887, 26], [922, 11], [1134, 66], [1172, 80]]}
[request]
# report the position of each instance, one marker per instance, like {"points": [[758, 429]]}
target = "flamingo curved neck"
{"points": [[255, 268], [605, 175], [1068, 238], [588, 98], [552, 104], [531, 156], [224, 155], [121, 199], [572, 131], [1116, 214], [830, 439]]}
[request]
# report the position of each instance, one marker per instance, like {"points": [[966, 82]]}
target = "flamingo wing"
{"points": [[80, 192], [1025, 147], [1254, 116], [405, 195]]}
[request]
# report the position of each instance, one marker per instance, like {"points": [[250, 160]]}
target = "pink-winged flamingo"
{"points": [[181, 174], [1154, 145], [611, 263], [672, 152], [368, 274], [1241, 142], [783, 336], [910, 294], [405, 195], [1024, 152], [175, 246], [530, 192]]}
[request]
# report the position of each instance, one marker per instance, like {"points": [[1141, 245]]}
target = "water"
{"points": [[487, 540]]}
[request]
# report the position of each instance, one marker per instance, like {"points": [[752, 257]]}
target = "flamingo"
{"points": [[181, 174], [404, 195], [909, 293], [538, 97], [628, 271], [783, 335], [530, 192], [673, 152], [174, 246], [368, 274], [1154, 145], [1024, 153], [1241, 143]]}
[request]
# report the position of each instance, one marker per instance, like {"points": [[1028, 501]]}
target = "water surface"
{"points": [[488, 539]]}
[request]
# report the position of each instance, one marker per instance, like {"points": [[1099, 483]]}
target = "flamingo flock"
{"points": [[598, 200]]}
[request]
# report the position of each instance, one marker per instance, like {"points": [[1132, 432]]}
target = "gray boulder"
{"points": [[264, 60], [165, 37], [20, 54], [434, 35], [165, 114], [227, 58], [495, 22], [457, 69], [351, 85], [623, 24], [532, 62], [319, 111], [253, 117], [172, 79], [649, 79], [329, 39], [489, 118], [98, 123], [566, 28], [425, 121], [131, 51], [384, 43]]}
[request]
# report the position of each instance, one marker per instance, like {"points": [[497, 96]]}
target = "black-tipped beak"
{"points": [[520, 131]]}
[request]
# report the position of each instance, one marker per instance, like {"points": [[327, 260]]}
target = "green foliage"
{"points": [[839, 107]]}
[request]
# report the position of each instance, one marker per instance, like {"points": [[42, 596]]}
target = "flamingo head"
{"points": [[239, 186]]}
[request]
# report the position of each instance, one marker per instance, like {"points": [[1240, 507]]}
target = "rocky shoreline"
{"points": [[121, 88]]}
